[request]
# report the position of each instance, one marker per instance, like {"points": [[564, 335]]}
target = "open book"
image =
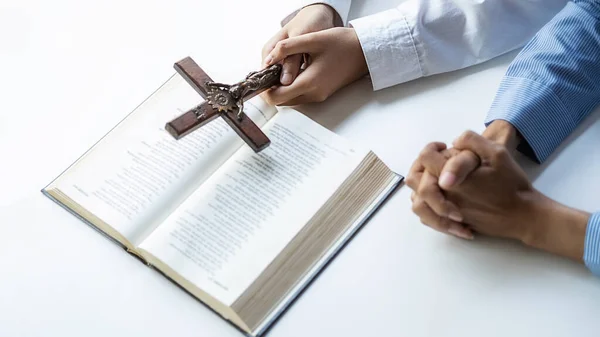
{"points": [[240, 231]]}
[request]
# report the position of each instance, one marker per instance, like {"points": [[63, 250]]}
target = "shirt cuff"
{"points": [[591, 254], [389, 48], [537, 113]]}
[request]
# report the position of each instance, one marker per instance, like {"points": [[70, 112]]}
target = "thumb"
{"points": [[302, 44], [458, 168], [291, 68]]}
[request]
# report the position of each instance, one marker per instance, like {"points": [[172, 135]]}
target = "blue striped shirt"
{"points": [[551, 86]]}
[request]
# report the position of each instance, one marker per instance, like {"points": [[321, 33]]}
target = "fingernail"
{"points": [[286, 78], [460, 232], [268, 60], [455, 216], [447, 179]]}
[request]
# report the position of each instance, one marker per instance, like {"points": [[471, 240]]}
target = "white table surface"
{"points": [[70, 70]]}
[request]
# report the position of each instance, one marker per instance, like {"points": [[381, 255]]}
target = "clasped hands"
{"points": [[474, 186]]}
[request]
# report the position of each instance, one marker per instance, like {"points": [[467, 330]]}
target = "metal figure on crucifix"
{"points": [[224, 100]]}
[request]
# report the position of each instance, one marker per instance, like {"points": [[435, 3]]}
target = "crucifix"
{"points": [[223, 100]]}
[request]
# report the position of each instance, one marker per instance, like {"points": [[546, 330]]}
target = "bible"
{"points": [[243, 232]]}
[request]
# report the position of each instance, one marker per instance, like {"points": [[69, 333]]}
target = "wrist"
{"points": [[553, 227], [362, 67], [503, 133]]}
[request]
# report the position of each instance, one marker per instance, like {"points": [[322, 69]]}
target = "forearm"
{"points": [[553, 227], [547, 224]]}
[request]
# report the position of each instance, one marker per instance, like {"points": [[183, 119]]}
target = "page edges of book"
{"points": [[261, 297], [326, 258]]}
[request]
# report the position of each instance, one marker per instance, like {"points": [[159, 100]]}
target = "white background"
{"points": [[70, 70]]}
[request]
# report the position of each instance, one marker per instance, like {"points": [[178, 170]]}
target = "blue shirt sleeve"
{"points": [[591, 253], [551, 86], [554, 82]]}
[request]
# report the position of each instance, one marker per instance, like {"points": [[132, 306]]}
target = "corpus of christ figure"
{"points": [[224, 100]]}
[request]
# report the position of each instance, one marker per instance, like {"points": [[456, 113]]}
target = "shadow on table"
{"points": [[350, 99]]}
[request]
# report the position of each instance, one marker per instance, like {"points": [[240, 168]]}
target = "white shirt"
{"points": [[426, 37]]}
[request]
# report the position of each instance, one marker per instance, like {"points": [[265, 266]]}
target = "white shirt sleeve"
{"points": [[342, 7], [427, 37]]}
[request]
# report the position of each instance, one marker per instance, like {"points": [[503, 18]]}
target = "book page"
{"points": [[138, 174], [236, 223]]}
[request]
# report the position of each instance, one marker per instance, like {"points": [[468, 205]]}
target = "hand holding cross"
{"points": [[225, 101]]}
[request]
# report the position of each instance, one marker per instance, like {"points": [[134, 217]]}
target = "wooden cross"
{"points": [[206, 112]]}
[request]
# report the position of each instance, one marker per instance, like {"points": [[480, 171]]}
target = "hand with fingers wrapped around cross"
{"points": [[318, 58], [477, 187]]}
